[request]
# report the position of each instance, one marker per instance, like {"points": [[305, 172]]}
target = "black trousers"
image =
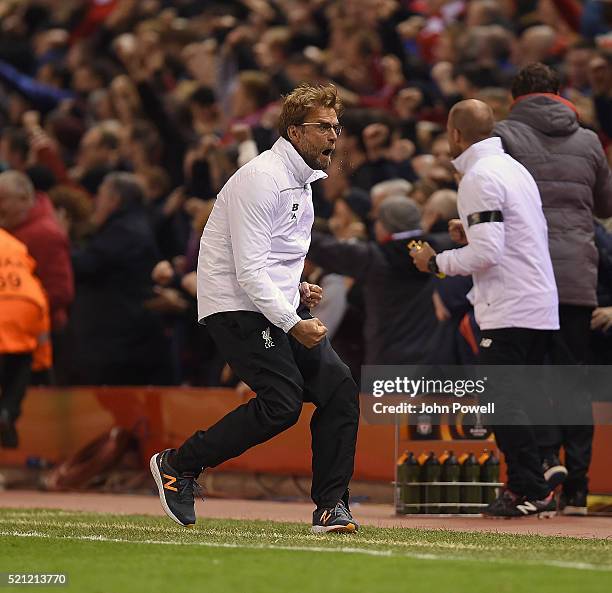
{"points": [[514, 433], [14, 379], [576, 439], [283, 374]]}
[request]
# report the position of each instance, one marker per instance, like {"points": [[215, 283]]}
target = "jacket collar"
{"points": [[295, 163], [551, 96], [466, 160]]}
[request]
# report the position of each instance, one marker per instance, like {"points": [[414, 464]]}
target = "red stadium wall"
{"points": [[57, 422]]}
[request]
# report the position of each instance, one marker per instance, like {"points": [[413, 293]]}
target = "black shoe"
{"points": [[336, 520], [8, 432], [574, 505], [176, 491], [554, 472], [509, 505]]}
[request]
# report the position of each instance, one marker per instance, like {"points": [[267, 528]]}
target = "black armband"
{"points": [[486, 216]]}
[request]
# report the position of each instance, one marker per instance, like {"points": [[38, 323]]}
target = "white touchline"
{"points": [[342, 550], [101, 538]]}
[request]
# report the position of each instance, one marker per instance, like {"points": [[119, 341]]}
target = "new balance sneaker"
{"points": [[508, 505], [574, 505], [336, 520], [554, 471], [176, 491]]}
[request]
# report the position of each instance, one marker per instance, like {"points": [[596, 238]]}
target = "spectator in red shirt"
{"points": [[29, 217]]}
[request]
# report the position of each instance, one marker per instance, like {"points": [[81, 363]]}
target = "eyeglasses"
{"points": [[324, 127]]}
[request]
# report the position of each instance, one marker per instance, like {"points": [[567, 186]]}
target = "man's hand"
{"points": [[310, 294], [309, 332], [162, 273], [457, 232], [167, 300], [421, 256], [602, 318]]}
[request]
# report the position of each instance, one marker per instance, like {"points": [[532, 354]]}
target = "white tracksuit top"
{"points": [[514, 284], [255, 242]]}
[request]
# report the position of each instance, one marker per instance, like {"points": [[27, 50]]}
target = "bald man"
{"points": [[515, 297]]}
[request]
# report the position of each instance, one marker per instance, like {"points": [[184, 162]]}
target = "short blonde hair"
{"points": [[298, 103]]}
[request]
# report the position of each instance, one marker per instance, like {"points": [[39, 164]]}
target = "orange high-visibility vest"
{"points": [[24, 307]]}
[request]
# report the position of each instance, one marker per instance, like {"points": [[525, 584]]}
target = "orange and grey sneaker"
{"points": [[176, 490], [335, 520]]}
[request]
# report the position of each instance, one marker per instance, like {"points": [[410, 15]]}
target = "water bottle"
{"points": [[470, 472], [430, 494], [451, 472], [408, 472], [489, 472]]}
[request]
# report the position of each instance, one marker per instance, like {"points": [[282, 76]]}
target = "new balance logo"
{"points": [[168, 485], [267, 338], [526, 508], [325, 517]]}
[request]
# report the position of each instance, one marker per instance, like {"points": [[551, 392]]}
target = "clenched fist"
{"points": [[310, 294], [309, 332], [457, 232]]}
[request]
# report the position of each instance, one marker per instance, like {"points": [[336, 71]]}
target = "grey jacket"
{"points": [[575, 183]]}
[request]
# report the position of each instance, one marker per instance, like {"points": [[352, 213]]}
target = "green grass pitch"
{"points": [[119, 553]]}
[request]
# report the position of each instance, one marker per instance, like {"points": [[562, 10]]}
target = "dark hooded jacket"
{"points": [[569, 166], [400, 317]]}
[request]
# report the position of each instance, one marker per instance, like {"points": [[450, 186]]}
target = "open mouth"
{"points": [[328, 151]]}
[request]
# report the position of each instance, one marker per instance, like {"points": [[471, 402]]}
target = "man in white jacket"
{"points": [[515, 295], [249, 295]]}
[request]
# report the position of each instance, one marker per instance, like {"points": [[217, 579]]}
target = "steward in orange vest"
{"points": [[24, 308]]}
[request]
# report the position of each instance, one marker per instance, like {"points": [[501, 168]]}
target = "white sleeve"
{"points": [[252, 209], [481, 196]]}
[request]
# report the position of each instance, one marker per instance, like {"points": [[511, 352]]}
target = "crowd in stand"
{"points": [[120, 120]]}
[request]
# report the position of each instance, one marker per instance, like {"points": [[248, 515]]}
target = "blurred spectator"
{"points": [[576, 67], [73, 207], [391, 187], [596, 18], [393, 288], [14, 149], [600, 77], [439, 209], [350, 216], [97, 156], [205, 112], [117, 339], [29, 217], [450, 344], [498, 99]]}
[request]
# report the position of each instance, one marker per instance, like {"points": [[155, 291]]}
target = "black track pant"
{"points": [[576, 439], [283, 374], [517, 439]]}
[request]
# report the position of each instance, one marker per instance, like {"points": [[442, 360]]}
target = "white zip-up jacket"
{"points": [[507, 252], [254, 244]]}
